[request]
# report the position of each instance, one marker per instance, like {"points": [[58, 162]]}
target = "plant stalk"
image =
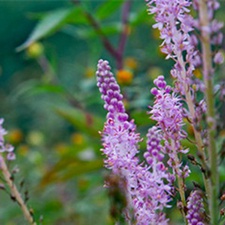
{"points": [[211, 123], [15, 193]]}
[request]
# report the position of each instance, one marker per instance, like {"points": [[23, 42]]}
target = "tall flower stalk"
{"points": [[147, 187], [175, 25], [206, 9]]}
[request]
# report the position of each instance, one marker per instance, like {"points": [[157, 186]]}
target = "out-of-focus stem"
{"points": [[107, 44], [14, 192], [124, 34], [116, 53], [208, 72]]}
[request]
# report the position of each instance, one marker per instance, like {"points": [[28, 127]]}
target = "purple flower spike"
{"points": [[195, 214], [167, 109], [147, 187], [175, 25], [110, 91], [119, 137], [168, 112]]}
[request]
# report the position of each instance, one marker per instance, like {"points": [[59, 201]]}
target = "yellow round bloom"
{"points": [[15, 136], [124, 77], [77, 138], [35, 50], [89, 72]]}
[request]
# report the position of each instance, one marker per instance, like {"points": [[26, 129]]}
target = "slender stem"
{"points": [[15, 193], [96, 26], [107, 44], [124, 34], [198, 139], [197, 134], [116, 53], [208, 72]]}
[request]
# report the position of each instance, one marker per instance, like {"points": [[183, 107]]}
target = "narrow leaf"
{"points": [[67, 168], [81, 120], [49, 24]]}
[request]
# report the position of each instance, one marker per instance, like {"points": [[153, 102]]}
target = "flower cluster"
{"points": [[147, 187], [175, 25], [167, 109], [119, 137], [195, 215], [5, 147], [154, 183], [168, 112], [156, 153]]}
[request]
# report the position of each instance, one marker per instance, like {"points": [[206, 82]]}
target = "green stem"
{"points": [[191, 108], [208, 72], [197, 134]]}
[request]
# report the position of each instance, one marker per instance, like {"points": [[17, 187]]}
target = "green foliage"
{"points": [[69, 167], [56, 111], [107, 8], [52, 107], [83, 121]]}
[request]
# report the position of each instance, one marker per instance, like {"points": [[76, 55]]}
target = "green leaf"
{"points": [[48, 25], [33, 87], [140, 17], [68, 168], [81, 120], [85, 32], [107, 8], [141, 118], [42, 88], [220, 142], [78, 16]]}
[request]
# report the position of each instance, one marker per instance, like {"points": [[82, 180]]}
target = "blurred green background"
{"points": [[52, 107]]}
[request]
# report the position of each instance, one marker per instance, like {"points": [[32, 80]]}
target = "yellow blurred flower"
{"points": [[35, 138], [23, 150], [89, 72], [124, 77], [61, 148], [15, 136], [131, 63], [77, 138], [198, 73], [154, 72], [35, 50]]}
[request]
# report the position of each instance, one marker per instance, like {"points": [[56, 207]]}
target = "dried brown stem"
{"points": [[15, 193]]}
